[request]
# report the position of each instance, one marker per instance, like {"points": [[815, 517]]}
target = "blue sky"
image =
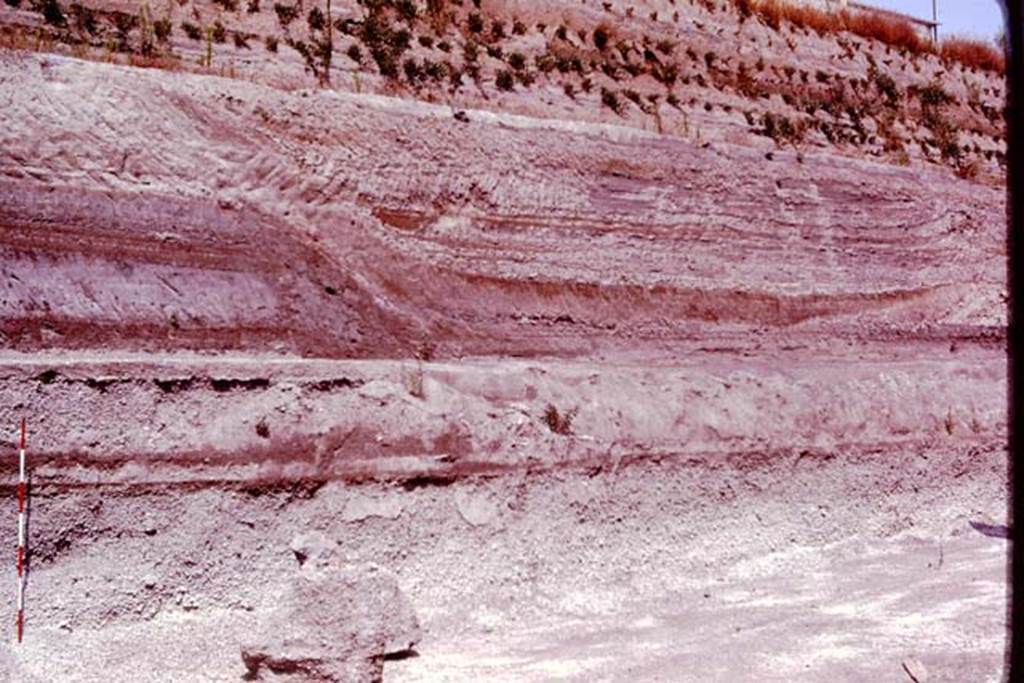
{"points": [[976, 18]]}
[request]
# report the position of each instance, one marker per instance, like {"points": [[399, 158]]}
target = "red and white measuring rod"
{"points": [[21, 532]]}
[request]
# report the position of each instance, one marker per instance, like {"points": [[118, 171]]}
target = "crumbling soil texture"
{"points": [[612, 395]]}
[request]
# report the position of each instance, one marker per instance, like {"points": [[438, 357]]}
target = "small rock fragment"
{"points": [[915, 669], [991, 530], [312, 547], [333, 625], [361, 507], [478, 509]]}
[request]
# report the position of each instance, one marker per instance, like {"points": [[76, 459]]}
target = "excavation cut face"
{"points": [[333, 624]]}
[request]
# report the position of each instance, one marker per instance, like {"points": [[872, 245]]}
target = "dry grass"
{"points": [[895, 32], [968, 170], [886, 29], [973, 53], [164, 62], [889, 30]]}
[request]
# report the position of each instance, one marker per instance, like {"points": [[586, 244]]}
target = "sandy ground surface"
{"points": [[844, 612], [849, 611]]}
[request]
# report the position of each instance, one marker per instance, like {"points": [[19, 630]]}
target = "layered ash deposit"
{"points": [[578, 324]]}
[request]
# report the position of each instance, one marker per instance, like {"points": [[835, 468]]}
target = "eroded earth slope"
{"points": [[614, 394]]}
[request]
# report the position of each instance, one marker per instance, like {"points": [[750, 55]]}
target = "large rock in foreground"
{"points": [[334, 625]]}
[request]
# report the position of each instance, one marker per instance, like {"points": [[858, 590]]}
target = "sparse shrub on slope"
{"points": [[782, 129], [286, 14], [52, 12], [634, 97], [890, 30], [123, 25], [162, 29], [497, 30], [517, 61], [932, 96], [505, 80], [145, 22], [868, 110], [934, 99], [470, 55], [667, 74], [85, 19], [435, 71], [385, 43], [191, 30], [413, 71], [968, 170], [885, 85], [316, 19], [611, 100], [406, 10]]}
